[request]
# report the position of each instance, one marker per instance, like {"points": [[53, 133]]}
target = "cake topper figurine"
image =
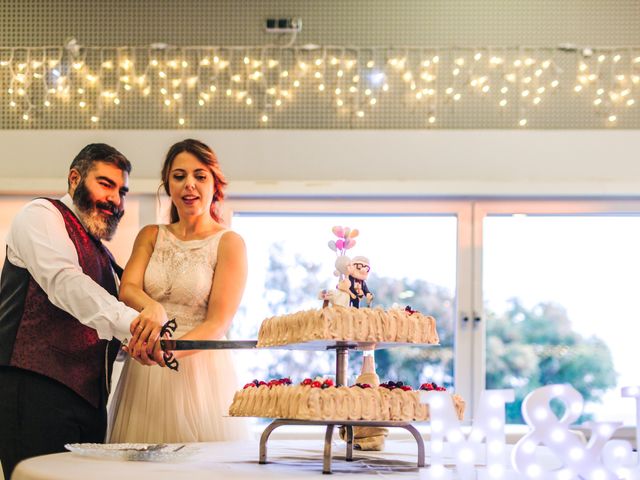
{"points": [[342, 295], [358, 272]]}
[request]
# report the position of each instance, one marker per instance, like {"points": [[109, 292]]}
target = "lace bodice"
{"points": [[179, 275]]}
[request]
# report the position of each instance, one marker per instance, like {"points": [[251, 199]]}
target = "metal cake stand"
{"points": [[342, 362]]}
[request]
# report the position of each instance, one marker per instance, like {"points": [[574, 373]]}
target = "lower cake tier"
{"points": [[348, 323], [305, 402]]}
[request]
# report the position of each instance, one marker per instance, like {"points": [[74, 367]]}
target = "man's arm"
{"points": [[39, 242]]}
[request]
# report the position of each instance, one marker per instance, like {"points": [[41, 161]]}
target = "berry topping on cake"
{"points": [[316, 384], [327, 383], [433, 386], [391, 385], [306, 381]]}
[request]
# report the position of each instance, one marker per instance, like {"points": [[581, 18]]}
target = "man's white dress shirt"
{"points": [[38, 241]]}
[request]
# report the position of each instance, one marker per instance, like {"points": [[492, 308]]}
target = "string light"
{"points": [[353, 78]]}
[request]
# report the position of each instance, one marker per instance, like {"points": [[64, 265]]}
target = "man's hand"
{"points": [[140, 355]]}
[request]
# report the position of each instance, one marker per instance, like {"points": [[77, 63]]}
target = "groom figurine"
{"points": [[59, 312], [358, 273]]}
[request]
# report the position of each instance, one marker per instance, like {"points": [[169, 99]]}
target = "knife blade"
{"points": [[169, 345]]}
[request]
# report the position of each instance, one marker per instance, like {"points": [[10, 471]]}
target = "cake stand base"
{"points": [[348, 424]]}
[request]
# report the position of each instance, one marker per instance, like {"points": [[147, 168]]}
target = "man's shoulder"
{"points": [[37, 206]]}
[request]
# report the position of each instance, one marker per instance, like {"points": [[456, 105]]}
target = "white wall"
{"points": [[326, 162]]}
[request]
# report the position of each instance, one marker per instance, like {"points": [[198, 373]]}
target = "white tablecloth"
{"points": [[237, 460]]}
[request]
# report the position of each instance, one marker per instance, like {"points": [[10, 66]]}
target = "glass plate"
{"points": [[137, 452]]}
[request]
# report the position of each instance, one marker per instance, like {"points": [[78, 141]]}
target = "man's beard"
{"points": [[98, 224]]}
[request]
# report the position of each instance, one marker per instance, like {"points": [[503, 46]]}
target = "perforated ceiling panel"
{"points": [[355, 64]]}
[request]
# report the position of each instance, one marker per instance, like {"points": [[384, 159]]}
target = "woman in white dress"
{"points": [[193, 270]]}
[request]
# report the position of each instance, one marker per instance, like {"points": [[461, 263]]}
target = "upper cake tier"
{"points": [[350, 324]]}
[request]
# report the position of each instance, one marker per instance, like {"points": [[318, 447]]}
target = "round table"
{"points": [[237, 460]]}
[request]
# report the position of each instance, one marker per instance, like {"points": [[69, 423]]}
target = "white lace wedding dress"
{"points": [[159, 405]]}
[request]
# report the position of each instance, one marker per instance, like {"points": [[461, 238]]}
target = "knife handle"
{"points": [[167, 331]]}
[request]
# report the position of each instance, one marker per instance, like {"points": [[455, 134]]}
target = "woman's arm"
{"points": [[152, 315], [229, 280]]}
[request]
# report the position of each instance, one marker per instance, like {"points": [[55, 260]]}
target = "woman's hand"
{"points": [[145, 329]]}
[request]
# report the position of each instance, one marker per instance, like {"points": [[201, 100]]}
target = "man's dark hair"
{"points": [[99, 152]]}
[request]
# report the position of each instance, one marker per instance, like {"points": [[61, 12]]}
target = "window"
{"points": [[559, 302], [413, 262]]}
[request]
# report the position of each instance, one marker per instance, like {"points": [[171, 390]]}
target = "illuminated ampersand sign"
{"points": [[579, 460]]}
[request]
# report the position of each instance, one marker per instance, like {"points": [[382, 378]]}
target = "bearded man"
{"points": [[60, 318]]}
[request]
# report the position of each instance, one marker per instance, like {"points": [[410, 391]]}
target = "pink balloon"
{"points": [[338, 231], [340, 244], [350, 243]]}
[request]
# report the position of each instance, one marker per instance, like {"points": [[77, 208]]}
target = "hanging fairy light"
{"points": [[353, 79]]}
